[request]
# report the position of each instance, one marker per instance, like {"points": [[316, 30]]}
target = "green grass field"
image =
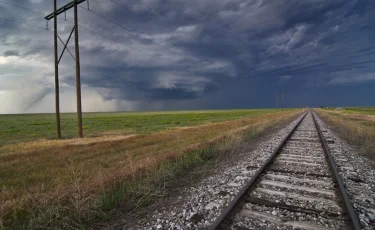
{"points": [[361, 115], [71, 184], [361, 110], [27, 127], [356, 125]]}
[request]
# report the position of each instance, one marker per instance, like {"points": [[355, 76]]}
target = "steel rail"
{"points": [[338, 179], [229, 211]]}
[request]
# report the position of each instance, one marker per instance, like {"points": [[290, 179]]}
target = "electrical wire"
{"points": [[123, 27], [91, 31], [24, 8], [87, 29], [108, 38], [23, 23]]}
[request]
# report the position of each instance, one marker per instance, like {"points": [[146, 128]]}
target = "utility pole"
{"points": [[280, 101], [54, 15], [57, 91], [277, 101], [78, 71]]}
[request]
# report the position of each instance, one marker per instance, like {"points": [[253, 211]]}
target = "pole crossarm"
{"points": [[66, 46], [63, 9]]}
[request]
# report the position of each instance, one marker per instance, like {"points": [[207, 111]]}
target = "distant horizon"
{"points": [[156, 111], [189, 55]]}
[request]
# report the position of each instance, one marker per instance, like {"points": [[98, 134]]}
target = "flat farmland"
{"points": [[356, 125], [28, 127], [360, 115], [73, 183], [359, 110]]}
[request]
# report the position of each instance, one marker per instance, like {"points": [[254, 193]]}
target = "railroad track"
{"points": [[298, 187]]}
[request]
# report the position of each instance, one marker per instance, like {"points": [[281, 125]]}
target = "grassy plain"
{"points": [[47, 183], [28, 127], [359, 110], [356, 125]]}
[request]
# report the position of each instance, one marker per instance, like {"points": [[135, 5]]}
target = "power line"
{"points": [[113, 40], [139, 50], [39, 27], [135, 33], [116, 51], [91, 31], [124, 27], [108, 38], [79, 26], [24, 8], [98, 34], [23, 23], [87, 29]]}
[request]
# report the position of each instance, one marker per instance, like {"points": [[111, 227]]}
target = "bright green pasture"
{"points": [[26, 127]]}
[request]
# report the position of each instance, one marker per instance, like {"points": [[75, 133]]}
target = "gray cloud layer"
{"points": [[165, 54]]}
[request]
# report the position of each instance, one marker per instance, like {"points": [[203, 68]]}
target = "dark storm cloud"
{"points": [[141, 83], [300, 41], [195, 51]]}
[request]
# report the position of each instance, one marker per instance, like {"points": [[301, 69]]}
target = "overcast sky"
{"points": [[191, 54]]}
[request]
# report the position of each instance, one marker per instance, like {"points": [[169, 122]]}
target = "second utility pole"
{"points": [[57, 93], [78, 71]]}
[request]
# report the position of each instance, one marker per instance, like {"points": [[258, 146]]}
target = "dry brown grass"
{"points": [[352, 129], [45, 180], [48, 144], [354, 116]]}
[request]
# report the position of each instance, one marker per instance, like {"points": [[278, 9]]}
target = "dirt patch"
{"points": [[175, 188]]}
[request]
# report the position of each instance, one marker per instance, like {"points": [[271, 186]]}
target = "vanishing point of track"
{"points": [[298, 187]]}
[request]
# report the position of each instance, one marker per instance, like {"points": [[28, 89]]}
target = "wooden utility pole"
{"points": [[57, 91], [280, 101], [78, 71], [277, 100], [54, 15]]}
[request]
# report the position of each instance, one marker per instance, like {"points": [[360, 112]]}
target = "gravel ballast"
{"points": [[203, 203], [296, 191], [199, 206], [357, 173]]}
